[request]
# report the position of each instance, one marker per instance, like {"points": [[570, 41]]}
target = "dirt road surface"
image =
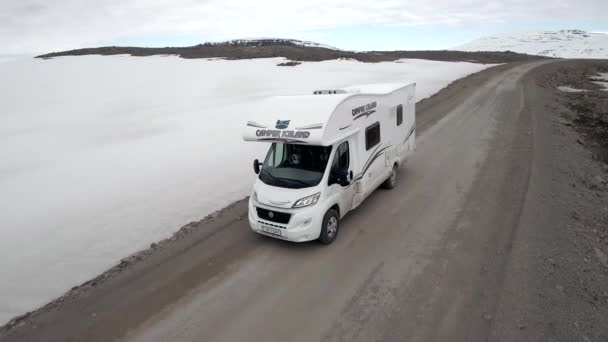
{"points": [[474, 244]]}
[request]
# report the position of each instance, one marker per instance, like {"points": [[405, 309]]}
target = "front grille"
{"points": [[271, 225], [277, 216]]}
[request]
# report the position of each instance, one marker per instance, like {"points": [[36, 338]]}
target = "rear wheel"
{"points": [[391, 181], [329, 228]]}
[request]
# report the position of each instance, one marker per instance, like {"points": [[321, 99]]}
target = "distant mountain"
{"points": [[253, 42], [292, 49], [561, 44]]}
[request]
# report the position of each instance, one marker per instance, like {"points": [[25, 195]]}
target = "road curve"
{"points": [[425, 261]]}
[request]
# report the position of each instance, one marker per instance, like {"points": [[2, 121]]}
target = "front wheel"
{"points": [[329, 228], [391, 181]]}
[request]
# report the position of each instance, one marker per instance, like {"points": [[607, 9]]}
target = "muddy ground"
{"points": [[587, 110]]}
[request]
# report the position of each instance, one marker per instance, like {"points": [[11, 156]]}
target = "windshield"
{"points": [[294, 166]]}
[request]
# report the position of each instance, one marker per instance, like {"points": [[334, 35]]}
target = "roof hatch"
{"points": [[329, 91]]}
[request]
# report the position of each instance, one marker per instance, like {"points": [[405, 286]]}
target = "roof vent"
{"points": [[325, 92]]}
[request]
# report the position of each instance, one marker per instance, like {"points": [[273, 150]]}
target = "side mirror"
{"points": [[256, 166], [340, 177], [343, 181]]}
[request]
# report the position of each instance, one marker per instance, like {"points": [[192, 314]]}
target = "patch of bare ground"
{"points": [[557, 281], [588, 110]]}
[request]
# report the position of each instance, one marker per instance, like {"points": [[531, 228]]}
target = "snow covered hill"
{"points": [[101, 156], [563, 44]]}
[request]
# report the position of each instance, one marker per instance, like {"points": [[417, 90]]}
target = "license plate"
{"points": [[272, 231]]}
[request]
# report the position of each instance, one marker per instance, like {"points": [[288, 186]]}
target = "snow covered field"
{"points": [[100, 156], [602, 80], [562, 44]]}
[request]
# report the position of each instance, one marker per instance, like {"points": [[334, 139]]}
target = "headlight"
{"points": [[307, 201], [254, 195]]}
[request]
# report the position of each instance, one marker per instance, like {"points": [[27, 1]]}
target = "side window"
{"points": [[275, 155], [399, 115], [372, 135], [342, 158]]}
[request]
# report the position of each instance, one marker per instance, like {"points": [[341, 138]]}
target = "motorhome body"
{"points": [[329, 151]]}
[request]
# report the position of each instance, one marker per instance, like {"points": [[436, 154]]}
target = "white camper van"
{"points": [[329, 151]]}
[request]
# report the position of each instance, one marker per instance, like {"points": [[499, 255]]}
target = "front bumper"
{"points": [[302, 226]]}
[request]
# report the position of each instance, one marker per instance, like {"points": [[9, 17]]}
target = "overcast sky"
{"points": [[37, 26]]}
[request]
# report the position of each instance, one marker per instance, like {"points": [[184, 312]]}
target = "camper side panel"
{"points": [[406, 131], [350, 121], [395, 115], [372, 117], [379, 137]]}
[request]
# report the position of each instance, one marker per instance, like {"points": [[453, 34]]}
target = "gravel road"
{"points": [[492, 233]]}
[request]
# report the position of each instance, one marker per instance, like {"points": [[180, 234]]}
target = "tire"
{"points": [[391, 181], [329, 228]]}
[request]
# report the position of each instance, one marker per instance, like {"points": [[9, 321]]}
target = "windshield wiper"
{"points": [[296, 181], [276, 180], [284, 181]]}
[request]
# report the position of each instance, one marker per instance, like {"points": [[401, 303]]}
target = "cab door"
{"points": [[340, 177]]}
